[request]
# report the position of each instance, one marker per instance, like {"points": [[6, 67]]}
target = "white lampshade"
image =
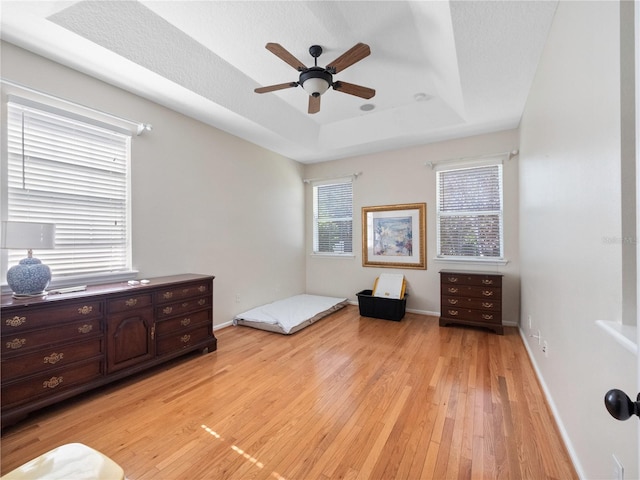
{"points": [[28, 235], [315, 85]]}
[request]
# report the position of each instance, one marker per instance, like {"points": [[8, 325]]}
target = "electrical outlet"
{"points": [[237, 298], [529, 319], [545, 348], [618, 469]]}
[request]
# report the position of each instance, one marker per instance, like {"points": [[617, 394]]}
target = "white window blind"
{"points": [[333, 218], [76, 175], [470, 212]]}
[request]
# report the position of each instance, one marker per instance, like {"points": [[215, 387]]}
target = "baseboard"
{"points": [[556, 415]]}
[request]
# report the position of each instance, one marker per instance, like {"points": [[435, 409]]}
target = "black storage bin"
{"points": [[379, 307]]}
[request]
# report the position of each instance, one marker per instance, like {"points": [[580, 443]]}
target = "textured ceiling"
{"points": [[441, 69]]}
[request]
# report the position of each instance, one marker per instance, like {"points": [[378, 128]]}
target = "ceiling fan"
{"points": [[317, 80]]}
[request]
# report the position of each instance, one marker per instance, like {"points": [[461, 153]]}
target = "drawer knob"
{"points": [[487, 293], [16, 321], [487, 316], [202, 301], [202, 288], [86, 310], [53, 382], [16, 343], [86, 328], [453, 279], [452, 290], [167, 310], [185, 321], [185, 338], [487, 304], [487, 281], [185, 304], [131, 302], [453, 313], [53, 358], [167, 295], [453, 301]]}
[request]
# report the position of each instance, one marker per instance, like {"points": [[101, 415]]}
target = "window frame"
{"points": [[315, 184], [468, 165], [71, 278]]}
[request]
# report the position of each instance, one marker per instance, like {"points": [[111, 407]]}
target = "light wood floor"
{"points": [[348, 397]]}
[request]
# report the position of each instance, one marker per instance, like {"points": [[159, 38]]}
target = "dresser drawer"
{"points": [[470, 302], [21, 341], [173, 293], [184, 322], [52, 358], [473, 315], [180, 308], [466, 279], [131, 302], [17, 320], [181, 340], [48, 383]]}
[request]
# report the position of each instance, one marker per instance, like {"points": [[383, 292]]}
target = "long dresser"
{"points": [[57, 346], [471, 298]]}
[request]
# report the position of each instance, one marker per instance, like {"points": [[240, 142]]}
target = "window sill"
{"points": [[472, 260], [625, 335], [333, 255]]}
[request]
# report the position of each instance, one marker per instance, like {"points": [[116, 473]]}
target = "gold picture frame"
{"points": [[394, 236]]}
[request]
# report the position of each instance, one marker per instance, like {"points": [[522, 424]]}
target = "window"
{"points": [[469, 217], [333, 218], [74, 174]]}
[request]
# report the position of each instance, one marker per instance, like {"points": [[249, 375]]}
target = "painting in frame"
{"points": [[394, 236]]}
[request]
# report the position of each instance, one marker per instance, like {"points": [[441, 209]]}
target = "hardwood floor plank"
{"points": [[348, 397]]}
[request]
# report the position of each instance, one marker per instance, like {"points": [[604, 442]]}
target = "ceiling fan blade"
{"points": [[273, 88], [348, 58], [314, 104], [280, 52], [352, 89]]}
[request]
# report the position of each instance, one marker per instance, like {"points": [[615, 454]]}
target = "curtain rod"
{"points": [[332, 177], [510, 154], [140, 126]]}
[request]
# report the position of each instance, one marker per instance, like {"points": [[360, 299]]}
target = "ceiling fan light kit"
{"points": [[317, 80]]}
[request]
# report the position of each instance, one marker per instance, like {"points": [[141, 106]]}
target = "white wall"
{"points": [[398, 177], [570, 216], [203, 201]]}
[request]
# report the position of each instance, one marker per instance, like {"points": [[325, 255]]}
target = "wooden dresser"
{"points": [[58, 346], [471, 298]]}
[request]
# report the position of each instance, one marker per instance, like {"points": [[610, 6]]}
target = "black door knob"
{"points": [[620, 406]]}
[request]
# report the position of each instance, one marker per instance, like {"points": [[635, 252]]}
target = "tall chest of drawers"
{"points": [[471, 298], [58, 346]]}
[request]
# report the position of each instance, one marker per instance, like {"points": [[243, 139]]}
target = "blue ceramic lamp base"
{"points": [[29, 278]]}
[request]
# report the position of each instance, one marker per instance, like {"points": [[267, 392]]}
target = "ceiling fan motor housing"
{"points": [[316, 81]]}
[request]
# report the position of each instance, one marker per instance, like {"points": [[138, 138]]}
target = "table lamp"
{"points": [[30, 277]]}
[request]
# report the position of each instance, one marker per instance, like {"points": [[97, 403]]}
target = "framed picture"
{"points": [[394, 236]]}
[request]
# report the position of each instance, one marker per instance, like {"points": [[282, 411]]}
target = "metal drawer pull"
{"points": [[131, 302], [185, 338], [202, 301], [185, 304], [16, 321], [487, 304], [16, 343], [487, 317], [487, 281], [86, 328], [453, 313], [86, 310], [53, 358], [185, 321], [167, 310], [487, 293], [452, 290], [453, 301], [53, 382], [167, 295], [185, 291], [202, 288], [453, 279]]}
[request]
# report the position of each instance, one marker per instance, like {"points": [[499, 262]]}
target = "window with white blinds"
{"points": [[75, 175], [333, 218], [469, 211]]}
